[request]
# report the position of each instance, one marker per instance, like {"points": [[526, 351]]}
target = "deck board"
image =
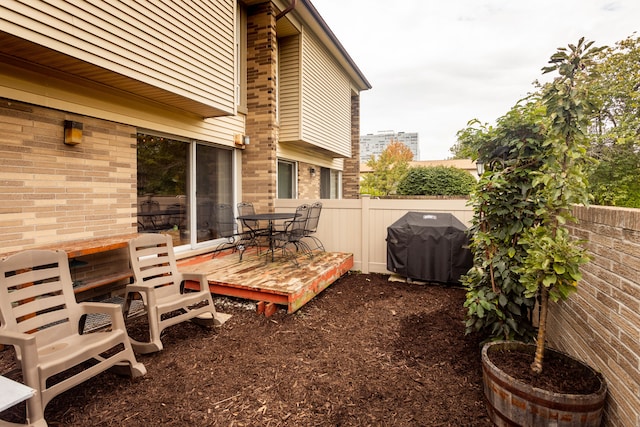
{"points": [[279, 282]]}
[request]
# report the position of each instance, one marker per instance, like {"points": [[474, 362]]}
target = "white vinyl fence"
{"points": [[360, 226]]}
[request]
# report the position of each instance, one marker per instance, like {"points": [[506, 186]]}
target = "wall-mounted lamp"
{"points": [[312, 172], [241, 140], [479, 167], [72, 132]]}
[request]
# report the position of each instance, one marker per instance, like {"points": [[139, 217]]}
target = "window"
{"points": [[172, 173], [286, 180], [330, 183]]}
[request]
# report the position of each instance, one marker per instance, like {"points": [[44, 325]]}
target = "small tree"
{"points": [[387, 170], [521, 242], [551, 268], [505, 204]]}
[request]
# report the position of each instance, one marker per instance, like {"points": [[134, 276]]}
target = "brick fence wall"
{"points": [[600, 324]]}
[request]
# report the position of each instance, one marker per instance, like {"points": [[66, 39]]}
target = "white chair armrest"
{"points": [[16, 338], [196, 277], [138, 287], [113, 310]]}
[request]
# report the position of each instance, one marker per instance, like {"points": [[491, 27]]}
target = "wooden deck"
{"points": [[270, 283]]}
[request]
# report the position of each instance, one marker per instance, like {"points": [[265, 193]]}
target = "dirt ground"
{"points": [[366, 352]]}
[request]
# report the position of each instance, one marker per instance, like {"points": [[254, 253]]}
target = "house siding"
{"points": [[289, 88], [325, 100], [186, 48]]}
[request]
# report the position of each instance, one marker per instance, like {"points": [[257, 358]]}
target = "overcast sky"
{"points": [[436, 64]]}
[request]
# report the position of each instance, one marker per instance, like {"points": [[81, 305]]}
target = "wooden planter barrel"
{"points": [[511, 402]]}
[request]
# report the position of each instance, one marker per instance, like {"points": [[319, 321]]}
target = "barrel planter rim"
{"points": [[519, 344], [496, 379]]}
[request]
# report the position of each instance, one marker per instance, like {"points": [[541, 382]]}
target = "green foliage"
{"points": [[536, 157], [615, 126], [505, 204], [436, 181], [612, 104], [387, 171], [551, 261], [162, 165]]}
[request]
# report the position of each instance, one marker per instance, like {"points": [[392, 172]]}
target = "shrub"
{"points": [[436, 181]]}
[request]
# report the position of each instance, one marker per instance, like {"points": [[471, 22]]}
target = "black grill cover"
{"points": [[430, 247]]}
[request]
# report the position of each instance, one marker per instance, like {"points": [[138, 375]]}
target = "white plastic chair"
{"points": [[41, 319], [160, 284]]}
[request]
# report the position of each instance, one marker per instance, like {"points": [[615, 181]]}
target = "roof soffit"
{"points": [[41, 59]]}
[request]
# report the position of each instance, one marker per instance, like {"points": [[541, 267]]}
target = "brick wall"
{"points": [[600, 324], [53, 192], [259, 158], [308, 186], [351, 172]]}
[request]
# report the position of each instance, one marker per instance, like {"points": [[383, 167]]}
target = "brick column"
{"points": [[259, 162], [351, 172]]}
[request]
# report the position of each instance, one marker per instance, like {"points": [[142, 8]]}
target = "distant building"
{"points": [[374, 145]]}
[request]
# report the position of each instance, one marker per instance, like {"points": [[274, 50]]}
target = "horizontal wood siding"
{"points": [[326, 99], [289, 88], [183, 47]]}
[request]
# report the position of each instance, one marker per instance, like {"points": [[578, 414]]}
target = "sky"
{"points": [[434, 65]]}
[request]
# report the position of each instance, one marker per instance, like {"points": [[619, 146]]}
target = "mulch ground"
{"points": [[366, 352]]}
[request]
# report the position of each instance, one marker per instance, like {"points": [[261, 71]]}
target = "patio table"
{"points": [[12, 393], [270, 218]]}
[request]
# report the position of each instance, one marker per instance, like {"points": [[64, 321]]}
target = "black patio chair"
{"points": [[227, 227], [148, 218], [252, 227], [292, 234], [312, 226]]}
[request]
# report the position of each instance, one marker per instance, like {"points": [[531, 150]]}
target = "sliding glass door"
{"points": [[171, 174]]}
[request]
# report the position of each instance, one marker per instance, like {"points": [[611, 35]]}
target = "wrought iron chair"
{"points": [[42, 320], [227, 227], [161, 286], [312, 226], [292, 234], [149, 220], [254, 229]]}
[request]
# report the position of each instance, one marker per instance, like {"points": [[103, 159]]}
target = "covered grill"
{"points": [[430, 247]]}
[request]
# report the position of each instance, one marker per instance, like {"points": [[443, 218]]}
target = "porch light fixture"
{"points": [[312, 172], [72, 132], [480, 167], [241, 140]]}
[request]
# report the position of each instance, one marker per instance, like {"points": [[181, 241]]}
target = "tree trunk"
{"points": [[536, 366]]}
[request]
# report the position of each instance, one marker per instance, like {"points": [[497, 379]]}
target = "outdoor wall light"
{"points": [[312, 172], [480, 167], [72, 132], [241, 140]]}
